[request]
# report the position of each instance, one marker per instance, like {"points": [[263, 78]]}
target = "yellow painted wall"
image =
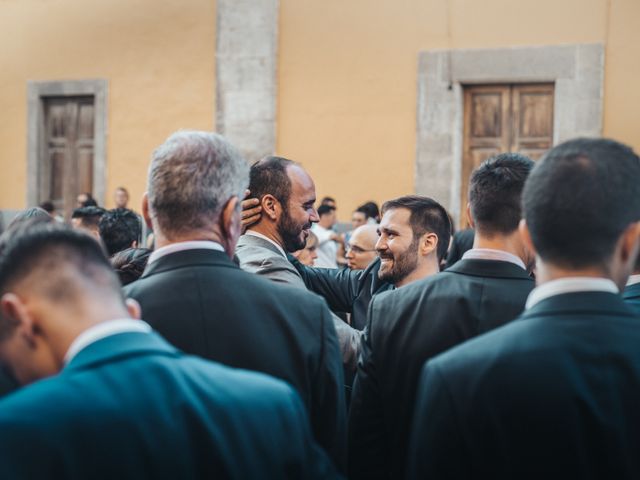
{"points": [[157, 55], [348, 86]]}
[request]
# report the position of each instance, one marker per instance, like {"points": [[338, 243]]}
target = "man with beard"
{"points": [[199, 300], [287, 196], [487, 288]]}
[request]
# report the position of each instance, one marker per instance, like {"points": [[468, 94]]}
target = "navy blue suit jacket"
{"points": [[631, 295], [132, 406], [554, 394]]}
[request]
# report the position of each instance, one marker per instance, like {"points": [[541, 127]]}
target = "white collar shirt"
{"points": [[182, 246], [570, 285], [492, 254]]}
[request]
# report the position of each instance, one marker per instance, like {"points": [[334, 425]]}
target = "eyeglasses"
{"points": [[357, 249]]}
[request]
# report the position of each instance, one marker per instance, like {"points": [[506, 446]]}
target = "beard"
{"points": [[291, 232], [404, 263]]}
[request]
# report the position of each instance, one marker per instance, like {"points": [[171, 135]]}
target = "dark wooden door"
{"points": [[67, 167], [504, 118]]}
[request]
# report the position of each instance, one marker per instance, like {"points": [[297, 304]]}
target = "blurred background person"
{"points": [[361, 248], [119, 229], [121, 197], [87, 219], [372, 211], [129, 264], [327, 239], [308, 254], [85, 199]]}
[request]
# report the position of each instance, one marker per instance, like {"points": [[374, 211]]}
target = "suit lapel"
{"points": [[120, 345]]}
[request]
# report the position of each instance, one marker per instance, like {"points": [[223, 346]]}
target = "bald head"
{"points": [[361, 248]]}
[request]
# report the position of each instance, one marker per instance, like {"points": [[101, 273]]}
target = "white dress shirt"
{"points": [[103, 330], [181, 246], [492, 254], [570, 285], [633, 279], [327, 249], [264, 237]]}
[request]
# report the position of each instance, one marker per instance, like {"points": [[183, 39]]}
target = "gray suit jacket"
{"points": [[257, 255]]}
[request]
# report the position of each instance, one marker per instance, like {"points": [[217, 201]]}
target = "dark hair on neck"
{"points": [[269, 177], [495, 193], [427, 216], [325, 209], [579, 199], [129, 264]]}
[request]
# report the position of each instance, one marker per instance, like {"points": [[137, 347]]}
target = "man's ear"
{"points": [[428, 243], [13, 308], [630, 243], [270, 207], [469, 217], [525, 236], [133, 307], [230, 224], [145, 210]]}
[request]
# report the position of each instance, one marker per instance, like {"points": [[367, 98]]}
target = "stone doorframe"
{"points": [[36, 91], [576, 70]]}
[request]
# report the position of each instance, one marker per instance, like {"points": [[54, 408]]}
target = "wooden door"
{"points": [[67, 167], [504, 118]]}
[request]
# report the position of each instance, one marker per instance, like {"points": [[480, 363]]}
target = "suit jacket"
{"points": [[201, 302], [131, 406], [345, 290], [631, 295], [408, 326], [552, 395], [257, 255]]}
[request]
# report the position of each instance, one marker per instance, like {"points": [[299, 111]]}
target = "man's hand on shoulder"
{"points": [[251, 211]]}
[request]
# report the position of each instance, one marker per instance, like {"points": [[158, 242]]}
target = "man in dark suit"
{"points": [[412, 230], [198, 299], [484, 290], [554, 394], [120, 402]]}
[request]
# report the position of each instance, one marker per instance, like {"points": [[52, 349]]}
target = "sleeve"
{"points": [[436, 448], [368, 449], [329, 407], [338, 286]]}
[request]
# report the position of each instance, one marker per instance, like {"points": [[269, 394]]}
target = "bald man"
{"points": [[361, 248]]}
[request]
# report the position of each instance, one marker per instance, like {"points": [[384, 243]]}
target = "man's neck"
{"points": [[507, 243], [546, 272], [425, 270], [270, 231], [161, 240]]}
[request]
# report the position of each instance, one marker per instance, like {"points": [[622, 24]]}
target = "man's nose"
{"points": [[314, 217]]}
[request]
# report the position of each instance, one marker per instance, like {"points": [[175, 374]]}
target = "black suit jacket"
{"points": [[631, 295], [202, 303], [345, 290], [554, 394], [405, 328]]}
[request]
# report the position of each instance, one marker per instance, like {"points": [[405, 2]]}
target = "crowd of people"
{"points": [[229, 331]]}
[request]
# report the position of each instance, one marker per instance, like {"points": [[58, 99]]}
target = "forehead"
{"points": [[358, 214], [363, 236], [302, 186], [396, 218]]}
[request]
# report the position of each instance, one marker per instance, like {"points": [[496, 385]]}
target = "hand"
{"points": [[251, 211]]}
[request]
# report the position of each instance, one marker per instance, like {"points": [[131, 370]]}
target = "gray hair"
{"points": [[192, 176]]}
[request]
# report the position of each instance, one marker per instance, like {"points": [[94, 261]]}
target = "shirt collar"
{"points": [[264, 237], [181, 246], [102, 330], [633, 279], [492, 254], [570, 285]]}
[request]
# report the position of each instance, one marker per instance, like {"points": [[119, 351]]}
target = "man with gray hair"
{"points": [[198, 299]]}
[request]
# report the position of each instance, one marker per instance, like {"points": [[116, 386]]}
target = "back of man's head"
{"points": [[426, 216], [495, 193], [56, 263], [579, 199], [325, 209], [88, 217], [269, 177], [192, 176], [119, 229]]}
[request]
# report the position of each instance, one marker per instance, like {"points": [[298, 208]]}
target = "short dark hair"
{"points": [[495, 193], [48, 245], [269, 176], [325, 209], [119, 228], [47, 206], [327, 200], [89, 216], [580, 198], [364, 211], [370, 209], [129, 264], [427, 216]]}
